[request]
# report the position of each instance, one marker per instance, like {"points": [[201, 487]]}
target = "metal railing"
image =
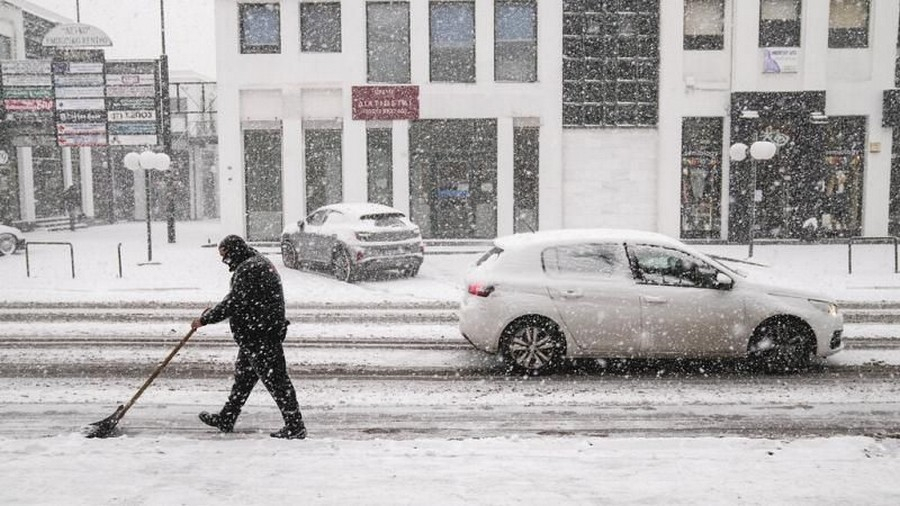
{"points": [[870, 240], [753, 242], [28, 257]]}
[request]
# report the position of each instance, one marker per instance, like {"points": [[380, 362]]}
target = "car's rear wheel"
{"points": [[7, 244], [781, 345], [533, 345], [411, 270], [342, 266], [289, 255]]}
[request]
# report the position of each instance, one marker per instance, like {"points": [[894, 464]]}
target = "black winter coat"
{"points": [[255, 304]]}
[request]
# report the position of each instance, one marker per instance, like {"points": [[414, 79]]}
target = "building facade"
{"points": [[488, 117]]}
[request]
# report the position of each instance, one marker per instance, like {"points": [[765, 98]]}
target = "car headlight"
{"points": [[824, 306]]}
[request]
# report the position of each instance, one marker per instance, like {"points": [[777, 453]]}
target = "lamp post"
{"points": [[759, 150], [147, 161]]}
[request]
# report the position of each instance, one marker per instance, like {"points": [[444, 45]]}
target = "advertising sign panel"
{"points": [[27, 80], [28, 104], [385, 102], [86, 104], [82, 140], [133, 140], [137, 115], [81, 128]]}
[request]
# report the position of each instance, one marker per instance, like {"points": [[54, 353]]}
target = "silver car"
{"points": [[352, 239], [539, 298], [11, 240]]}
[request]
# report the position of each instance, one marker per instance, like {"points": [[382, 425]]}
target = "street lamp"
{"points": [[759, 150], [147, 161]]}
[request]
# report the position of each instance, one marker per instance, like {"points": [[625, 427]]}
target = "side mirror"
{"points": [[301, 224], [724, 281]]}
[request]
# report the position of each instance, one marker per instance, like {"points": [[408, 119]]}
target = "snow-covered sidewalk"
{"points": [[188, 271]]}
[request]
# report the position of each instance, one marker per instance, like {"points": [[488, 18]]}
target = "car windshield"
{"points": [[383, 219]]}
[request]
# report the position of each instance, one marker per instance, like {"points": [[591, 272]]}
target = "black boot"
{"points": [[218, 421], [293, 428]]}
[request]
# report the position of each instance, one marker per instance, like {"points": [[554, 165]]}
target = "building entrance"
{"points": [[453, 178]]}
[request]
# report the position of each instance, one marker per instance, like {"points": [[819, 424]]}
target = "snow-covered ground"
{"points": [[155, 467], [188, 271]]}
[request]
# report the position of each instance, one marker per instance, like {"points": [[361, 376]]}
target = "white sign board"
{"points": [[80, 92], [141, 115], [84, 104], [71, 35], [25, 67], [781, 60], [27, 80], [130, 91], [133, 140], [130, 79]]}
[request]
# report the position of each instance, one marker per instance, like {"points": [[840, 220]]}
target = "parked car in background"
{"points": [[540, 298], [11, 240], [353, 239]]}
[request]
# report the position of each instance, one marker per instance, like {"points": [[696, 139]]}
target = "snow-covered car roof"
{"points": [[361, 208], [568, 236]]}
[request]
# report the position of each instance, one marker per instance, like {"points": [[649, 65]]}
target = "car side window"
{"points": [[317, 218], [590, 259], [657, 265]]}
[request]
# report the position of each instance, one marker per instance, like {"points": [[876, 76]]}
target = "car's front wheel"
{"points": [[411, 270], [533, 345], [289, 255], [780, 345], [342, 266], [7, 244]]}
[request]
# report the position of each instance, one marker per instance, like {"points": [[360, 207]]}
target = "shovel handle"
{"points": [[162, 365]]}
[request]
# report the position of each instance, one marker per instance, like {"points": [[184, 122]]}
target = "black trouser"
{"points": [[262, 362]]}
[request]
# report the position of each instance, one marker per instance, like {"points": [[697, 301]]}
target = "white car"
{"points": [[539, 298], [353, 238], [11, 240]]}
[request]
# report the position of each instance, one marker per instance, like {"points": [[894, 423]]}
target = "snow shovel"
{"points": [[107, 426]]}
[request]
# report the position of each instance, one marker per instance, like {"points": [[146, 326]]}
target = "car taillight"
{"points": [[480, 290], [359, 255]]}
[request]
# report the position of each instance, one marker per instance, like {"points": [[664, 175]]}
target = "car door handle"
{"points": [[654, 300], [571, 293]]}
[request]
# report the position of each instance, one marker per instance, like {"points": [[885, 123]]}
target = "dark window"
{"points": [[320, 27], [262, 176], [610, 63], [387, 29], [453, 42], [260, 28], [701, 178], [704, 25], [6, 48], [526, 155], [515, 40], [594, 260], [779, 23], [324, 178], [848, 24], [379, 153]]}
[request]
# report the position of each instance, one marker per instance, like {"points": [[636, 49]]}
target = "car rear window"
{"points": [[492, 255], [383, 219]]}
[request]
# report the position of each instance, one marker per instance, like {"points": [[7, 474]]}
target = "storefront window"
{"points": [[526, 156], [779, 23], [704, 25], [324, 178], [260, 28], [841, 183], [262, 180], [701, 178], [387, 29], [894, 206], [379, 155]]}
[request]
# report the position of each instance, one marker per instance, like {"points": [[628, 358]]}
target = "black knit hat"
{"points": [[234, 250]]}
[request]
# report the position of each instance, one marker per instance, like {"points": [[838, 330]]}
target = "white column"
{"points": [[231, 152], [354, 160], [400, 161], [668, 164], [505, 187], [67, 167], [85, 165], [26, 184], [292, 172], [419, 45], [484, 41]]}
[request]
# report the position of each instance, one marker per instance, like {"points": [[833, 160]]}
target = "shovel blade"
{"points": [[106, 427]]}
